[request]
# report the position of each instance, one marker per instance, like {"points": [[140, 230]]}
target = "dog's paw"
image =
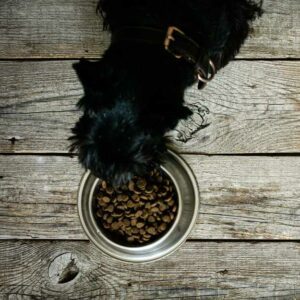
{"points": [[187, 128]]}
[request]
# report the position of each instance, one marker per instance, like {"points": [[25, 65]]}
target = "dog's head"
{"points": [[114, 146]]}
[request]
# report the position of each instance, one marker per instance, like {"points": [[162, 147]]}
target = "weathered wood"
{"points": [[207, 269], [254, 108], [241, 197], [52, 29]]}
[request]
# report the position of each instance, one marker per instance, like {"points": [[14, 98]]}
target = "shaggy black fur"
{"points": [[135, 93]]}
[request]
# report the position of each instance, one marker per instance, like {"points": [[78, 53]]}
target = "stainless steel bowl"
{"points": [[188, 204]]}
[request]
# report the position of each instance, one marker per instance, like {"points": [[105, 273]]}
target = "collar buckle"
{"points": [[170, 38]]}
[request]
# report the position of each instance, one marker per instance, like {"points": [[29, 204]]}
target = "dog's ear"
{"points": [[88, 73], [93, 77]]}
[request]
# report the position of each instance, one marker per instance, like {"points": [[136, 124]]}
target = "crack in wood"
{"points": [[14, 139], [223, 272]]}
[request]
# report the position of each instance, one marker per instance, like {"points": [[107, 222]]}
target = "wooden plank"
{"points": [[241, 197], [50, 29], [207, 270], [248, 101], [71, 29]]}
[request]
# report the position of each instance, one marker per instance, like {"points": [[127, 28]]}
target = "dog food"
{"points": [[140, 211]]}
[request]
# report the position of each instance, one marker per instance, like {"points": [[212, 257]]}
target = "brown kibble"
{"points": [[151, 230], [137, 192], [138, 213], [135, 230], [104, 184], [126, 222], [151, 196], [116, 225], [131, 185], [109, 190], [130, 238], [130, 215], [162, 206], [172, 202], [124, 187], [154, 209], [149, 189], [135, 197], [145, 215], [101, 202], [109, 220], [162, 227], [130, 204], [121, 207], [105, 199], [106, 226], [141, 183], [122, 198], [110, 208], [133, 222], [116, 215], [129, 230], [151, 219], [140, 225], [174, 209], [166, 218], [169, 199]]}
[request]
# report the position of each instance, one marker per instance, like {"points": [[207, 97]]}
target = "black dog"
{"points": [[135, 93]]}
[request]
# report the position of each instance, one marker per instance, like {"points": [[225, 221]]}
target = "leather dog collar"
{"points": [[176, 42]]}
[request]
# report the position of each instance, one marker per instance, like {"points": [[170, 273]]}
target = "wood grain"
{"points": [[252, 108], [52, 29], [241, 197], [208, 270]]}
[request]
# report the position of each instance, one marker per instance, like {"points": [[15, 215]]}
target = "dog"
{"points": [[134, 94]]}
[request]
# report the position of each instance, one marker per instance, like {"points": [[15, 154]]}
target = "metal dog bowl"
{"points": [[188, 203]]}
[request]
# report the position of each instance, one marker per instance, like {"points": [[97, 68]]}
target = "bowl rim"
{"points": [[172, 248]]}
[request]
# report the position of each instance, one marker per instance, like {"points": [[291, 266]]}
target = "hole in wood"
{"points": [[63, 269]]}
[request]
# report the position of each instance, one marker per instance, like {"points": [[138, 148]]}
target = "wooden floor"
{"points": [[246, 243]]}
